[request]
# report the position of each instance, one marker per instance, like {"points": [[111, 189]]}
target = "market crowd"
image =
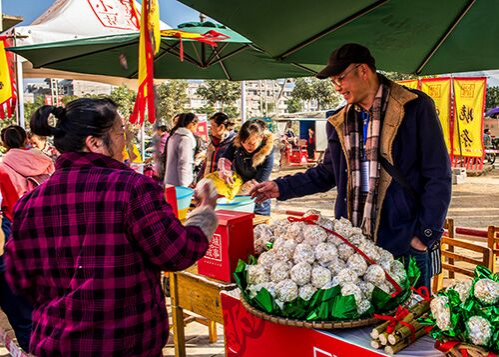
{"points": [[84, 237]]}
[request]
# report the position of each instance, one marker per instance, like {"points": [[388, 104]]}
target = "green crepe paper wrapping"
{"points": [[325, 304], [462, 311]]}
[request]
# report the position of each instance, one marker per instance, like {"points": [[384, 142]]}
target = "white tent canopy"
{"points": [[71, 19]]}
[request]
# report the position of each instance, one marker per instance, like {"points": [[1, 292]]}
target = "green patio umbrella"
{"points": [[422, 37], [234, 57]]}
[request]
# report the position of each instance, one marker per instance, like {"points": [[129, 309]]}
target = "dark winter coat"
{"points": [[411, 140], [255, 166]]}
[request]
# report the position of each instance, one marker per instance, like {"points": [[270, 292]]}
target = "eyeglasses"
{"points": [[337, 81]]}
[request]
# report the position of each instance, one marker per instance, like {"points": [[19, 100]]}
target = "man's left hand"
{"points": [[418, 245]]}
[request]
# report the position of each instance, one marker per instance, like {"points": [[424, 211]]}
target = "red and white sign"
{"points": [[115, 14], [233, 240], [248, 336]]}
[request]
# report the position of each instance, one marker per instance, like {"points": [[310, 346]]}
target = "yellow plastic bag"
{"points": [[223, 188]]}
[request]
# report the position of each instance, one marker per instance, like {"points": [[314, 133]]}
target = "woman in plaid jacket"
{"points": [[88, 245]]}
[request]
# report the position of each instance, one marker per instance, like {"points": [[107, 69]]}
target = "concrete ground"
{"points": [[475, 203]]}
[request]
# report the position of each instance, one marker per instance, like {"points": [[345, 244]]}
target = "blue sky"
{"points": [[172, 12]]}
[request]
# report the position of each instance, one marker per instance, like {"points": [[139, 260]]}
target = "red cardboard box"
{"points": [[171, 198], [233, 240]]}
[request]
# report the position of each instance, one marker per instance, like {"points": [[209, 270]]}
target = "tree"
{"points": [[221, 95], [308, 89], [323, 91], [30, 108], [294, 105], [492, 98], [171, 99], [124, 98]]}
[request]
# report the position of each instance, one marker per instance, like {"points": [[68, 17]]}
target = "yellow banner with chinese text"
{"points": [[439, 90], [469, 97], [410, 83]]}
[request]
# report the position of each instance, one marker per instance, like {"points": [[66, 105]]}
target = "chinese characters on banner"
{"points": [[469, 103], [439, 90], [115, 14]]}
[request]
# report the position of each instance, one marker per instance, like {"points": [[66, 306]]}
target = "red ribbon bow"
{"points": [[423, 292], [312, 220], [448, 345], [397, 318]]}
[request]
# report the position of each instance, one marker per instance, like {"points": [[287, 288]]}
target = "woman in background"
{"points": [[251, 156], [180, 151], [23, 166]]}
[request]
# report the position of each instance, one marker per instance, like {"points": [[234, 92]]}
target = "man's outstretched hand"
{"points": [[264, 191]]}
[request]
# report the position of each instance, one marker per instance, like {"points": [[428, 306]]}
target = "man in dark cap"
{"points": [[386, 157]]}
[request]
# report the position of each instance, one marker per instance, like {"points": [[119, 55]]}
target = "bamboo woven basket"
{"points": [[472, 350], [326, 325]]}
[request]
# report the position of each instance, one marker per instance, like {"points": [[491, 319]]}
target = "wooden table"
{"points": [[200, 295]]}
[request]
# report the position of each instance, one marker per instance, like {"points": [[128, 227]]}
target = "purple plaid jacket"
{"points": [[87, 247]]}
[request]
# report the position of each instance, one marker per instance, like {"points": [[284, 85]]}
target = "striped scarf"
{"points": [[365, 216]]}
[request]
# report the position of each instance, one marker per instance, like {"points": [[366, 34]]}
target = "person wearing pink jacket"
{"points": [[23, 166]]}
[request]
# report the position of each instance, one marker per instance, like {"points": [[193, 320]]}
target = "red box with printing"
{"points": [[233, 240]]}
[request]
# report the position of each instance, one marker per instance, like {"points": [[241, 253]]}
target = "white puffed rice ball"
{"points": [[487, 291], [301, 273], [363, 306], [304, 253], [397, 267], [369, 249], [327, 223], [343, 227], [267, 259], [336, 265], [307, 291], [314, 235], [312, 212], [345, 251], [255, 289], [331, 238], [325, 253], [295, 231], [280, 230], [463, 288], [385, 259], [479, 330], [286, 290], [257, 274], [280, 271], [260, 246], [262, 231], [346, 276], [357, 264], [352, 289], [278, 243], [386, 287], [357, 239], [375, 275], [440, 310], [366, 288], [286, 250], [320, 276]]}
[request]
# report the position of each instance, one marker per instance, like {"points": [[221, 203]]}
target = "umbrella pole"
{"points": [[243, 101]]}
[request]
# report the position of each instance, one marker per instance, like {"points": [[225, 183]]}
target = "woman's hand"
{"points": [[206, 193]]}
